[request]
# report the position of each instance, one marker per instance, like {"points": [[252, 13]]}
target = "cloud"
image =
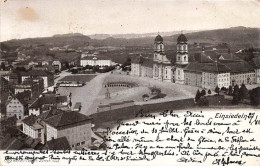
{"points": [[28, 14]]}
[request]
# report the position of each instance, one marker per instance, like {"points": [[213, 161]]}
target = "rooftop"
{"points": [[58, 144], [81, 78], [36, 73], [48, 99], [66, 118], [216, 67], [238, 66]]}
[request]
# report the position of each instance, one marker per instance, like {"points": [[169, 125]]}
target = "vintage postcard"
{"points": [[130, 82]]}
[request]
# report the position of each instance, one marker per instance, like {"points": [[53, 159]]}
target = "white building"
{"points": [[142, 67], [96, 61], [15, 107], [33, 128], [75, 126], [48, 78], [215, 74], [257, 69]]}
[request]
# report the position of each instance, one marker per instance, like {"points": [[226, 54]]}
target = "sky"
{"points": [[40, 18]]}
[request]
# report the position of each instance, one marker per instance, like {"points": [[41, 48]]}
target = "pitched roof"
{"points": [[203, 58], [256, 62], [11, 143], [195, 67], [30, 120], [216, 67], [228, 56], [48, 99], [35, 73], [148, 62], [24, 97], [49, 114], [58, 144], [238, 66], [21, 97], [66, 118], [137, 59]]}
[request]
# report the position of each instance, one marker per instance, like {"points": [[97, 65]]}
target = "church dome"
{"points": [[158, 38], [182, 39]]}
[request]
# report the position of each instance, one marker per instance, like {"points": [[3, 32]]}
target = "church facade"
{"points": [[207, 73], [162, 67]]}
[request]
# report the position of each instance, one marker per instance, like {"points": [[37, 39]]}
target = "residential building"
{"points": [[35, 126], [48, 78], [75, 126], [61, 143], [256, 61], [34, 85], [15, 107], [44, 103], [141, 66], [57, 65], [215, 74], [6, 123]]}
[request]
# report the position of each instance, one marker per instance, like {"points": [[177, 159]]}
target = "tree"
{"points": [[54, 90], [145, 96], [235, 95], [217, 90], [230, 90], [255, 96], [3, 66], [70, 103], [209, 91], [197, 97], [126, 63], [224, 89], [203, 93], [242, 92]]}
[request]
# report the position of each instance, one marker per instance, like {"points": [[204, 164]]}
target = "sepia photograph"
{"points": [[130, 82]]}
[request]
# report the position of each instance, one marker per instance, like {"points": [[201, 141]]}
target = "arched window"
{"points": [[185, 58], [161, 47], [179, 58]]}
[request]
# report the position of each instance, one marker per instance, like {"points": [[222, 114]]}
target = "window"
{"points": [[185, 58], [83, 142], [179, 58]]}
